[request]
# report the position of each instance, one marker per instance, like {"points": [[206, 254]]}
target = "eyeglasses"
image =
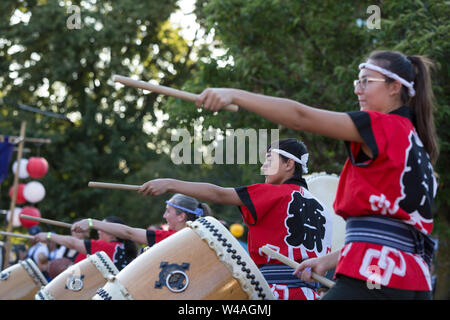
{"points": [[364, 81]]}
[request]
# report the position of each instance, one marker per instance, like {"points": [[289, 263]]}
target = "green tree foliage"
{"points": [[303, 50], [46, 64]]}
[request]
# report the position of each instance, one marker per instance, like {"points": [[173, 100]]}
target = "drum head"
{"points": [[230, 252], [324, 186], [203, 261]]}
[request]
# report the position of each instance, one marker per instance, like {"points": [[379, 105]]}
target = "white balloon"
{"points": [[34, 191], [23, 173], [16, 218]]}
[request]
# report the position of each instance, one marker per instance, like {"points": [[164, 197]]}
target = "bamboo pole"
{"points": [[19, 139], [23, 126]]}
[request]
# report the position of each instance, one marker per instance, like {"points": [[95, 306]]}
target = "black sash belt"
{"points": [[282, 274], [389, 232]]}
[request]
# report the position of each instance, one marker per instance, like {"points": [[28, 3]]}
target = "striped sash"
{"points": [[389, 232], [282, 274]]}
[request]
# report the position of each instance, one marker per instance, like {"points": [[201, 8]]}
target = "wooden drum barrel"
{"points": [[81, 280], [203, 261], [21, 281]]}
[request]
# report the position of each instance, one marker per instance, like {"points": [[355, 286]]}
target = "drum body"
{"points": [[324, 187], [200, 262], [21, 281], [81, 280]]}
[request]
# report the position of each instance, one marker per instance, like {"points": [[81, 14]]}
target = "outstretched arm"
{"points": [[289, 113], [119, 230], [202, 191], [67, 241]]}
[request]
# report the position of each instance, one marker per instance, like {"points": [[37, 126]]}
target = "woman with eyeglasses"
{"points": [[387, 185], [180, 208]]}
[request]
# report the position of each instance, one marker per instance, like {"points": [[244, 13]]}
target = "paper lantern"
{"points": [[23, 173], [16, 217], [34, 191], [237, 230], [29, 211], [20, 197], [37, 167]]}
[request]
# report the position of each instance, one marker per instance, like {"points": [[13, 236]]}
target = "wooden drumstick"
{"points": [[48, 221], [293, 264], [164, 90], [17, 235], [94, 184]]}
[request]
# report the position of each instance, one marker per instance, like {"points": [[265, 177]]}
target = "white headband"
{"points": [[387, 73], [303, 161]]}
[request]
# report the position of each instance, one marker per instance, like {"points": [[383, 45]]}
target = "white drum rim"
{"points": [[232, 254], [338, 239], [44, 294], [32, 269], [103, 264], [315, 175], [112, 290]]}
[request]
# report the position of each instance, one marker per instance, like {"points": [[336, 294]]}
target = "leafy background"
{"points": [[302, 50]]}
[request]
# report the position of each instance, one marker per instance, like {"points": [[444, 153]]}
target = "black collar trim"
{"points": [[297, 181]]}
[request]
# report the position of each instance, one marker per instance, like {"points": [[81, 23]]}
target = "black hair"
{"points": [[294, 147], [417, 69]]}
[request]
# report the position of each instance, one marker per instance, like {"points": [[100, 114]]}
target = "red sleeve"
{"points": [[156, 235], [100, 245], [371, 127], [79, 257], [258, 199]]}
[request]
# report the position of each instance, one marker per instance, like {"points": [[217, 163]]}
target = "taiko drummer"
{"points": [[180, 208], [120, 251], [387, 185], [281, 213]]}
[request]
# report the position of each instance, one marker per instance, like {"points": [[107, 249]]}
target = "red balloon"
{"points": [[29, 211], [37, 167], [20, 197]]}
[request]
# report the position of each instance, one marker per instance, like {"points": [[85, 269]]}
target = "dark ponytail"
{"points": [[130, 247], [422, 104], [417, 69]]}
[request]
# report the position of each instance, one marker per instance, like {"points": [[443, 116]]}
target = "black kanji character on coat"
{"points": [[418, 180], [305, 222]]}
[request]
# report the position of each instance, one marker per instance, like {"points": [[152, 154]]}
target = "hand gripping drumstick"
{"points": [[291, 263], [118, 186], [48, 221], [164, 90]]}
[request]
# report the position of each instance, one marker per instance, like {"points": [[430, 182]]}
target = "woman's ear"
{"points": [[395, 88], [290, 165], [181, 217]]}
